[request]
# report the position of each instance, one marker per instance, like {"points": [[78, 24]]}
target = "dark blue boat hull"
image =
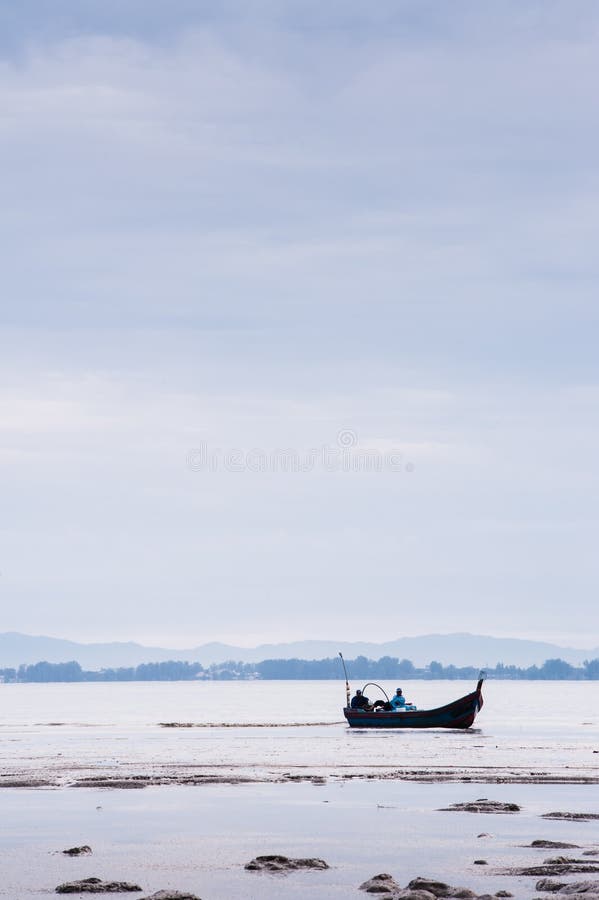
{"points": [[459, 714]]}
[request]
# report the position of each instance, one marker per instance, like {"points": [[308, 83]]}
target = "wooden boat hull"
{"points": [[458, 714]]}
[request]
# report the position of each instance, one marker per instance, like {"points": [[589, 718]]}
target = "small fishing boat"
{"points": [[460, 713]]}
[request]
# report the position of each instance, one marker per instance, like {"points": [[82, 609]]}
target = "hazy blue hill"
{"points": [[459, 649], [456, 649], [18, 648]]}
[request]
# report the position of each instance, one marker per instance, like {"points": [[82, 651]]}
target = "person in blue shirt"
{"points": [[398, 701]]}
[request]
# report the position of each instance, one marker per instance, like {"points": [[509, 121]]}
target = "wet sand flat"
{"points": [[199, 841]]}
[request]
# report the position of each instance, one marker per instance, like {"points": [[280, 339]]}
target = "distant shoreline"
{"points": [[326, 669]]}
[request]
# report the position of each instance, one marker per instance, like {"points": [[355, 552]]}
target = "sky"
{"points": [[298, 319]]}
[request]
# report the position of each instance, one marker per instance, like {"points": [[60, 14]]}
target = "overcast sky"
{"points": [[238, 227]]}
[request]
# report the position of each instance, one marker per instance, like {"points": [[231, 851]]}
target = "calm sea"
{"points": [[277, 724]]}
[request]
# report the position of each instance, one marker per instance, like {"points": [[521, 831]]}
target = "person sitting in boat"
{"points": [[398, 702], [360, 701]]}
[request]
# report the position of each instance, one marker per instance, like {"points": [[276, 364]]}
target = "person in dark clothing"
{"points": [[359, 701]]}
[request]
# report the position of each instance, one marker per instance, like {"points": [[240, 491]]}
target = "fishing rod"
{"points": [[347, 691]]}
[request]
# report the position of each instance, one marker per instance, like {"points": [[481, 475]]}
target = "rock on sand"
{"points": [[96, 886], [419, 889], [590, 888], [171, 895], [276, 863], [482, 806]]}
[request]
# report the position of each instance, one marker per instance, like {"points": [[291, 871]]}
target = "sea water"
{"points": [[348, 811], [270, 726]]}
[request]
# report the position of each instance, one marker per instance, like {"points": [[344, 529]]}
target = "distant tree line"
{"points": [[387, 667]]}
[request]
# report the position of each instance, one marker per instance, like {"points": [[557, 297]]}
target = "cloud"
{"points": [[253, 227]]}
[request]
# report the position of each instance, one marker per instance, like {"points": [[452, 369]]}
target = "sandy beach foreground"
{"points": [[199, 840]]}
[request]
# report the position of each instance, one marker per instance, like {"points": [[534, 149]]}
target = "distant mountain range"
{"points": [[456, 649]]}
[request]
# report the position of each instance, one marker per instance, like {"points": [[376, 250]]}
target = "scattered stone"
{"points": [[176, 724], [388, 889], [276, 863], [171, 895], [96, 886], [559, 860], [439, 888], [568, 887], [557, 868], [380, 884], [407, 894], [590, 852], [554, 845], [482, 806], [571, 817], [421, 889], [25, 783], [120, 783], [84, 850]]}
